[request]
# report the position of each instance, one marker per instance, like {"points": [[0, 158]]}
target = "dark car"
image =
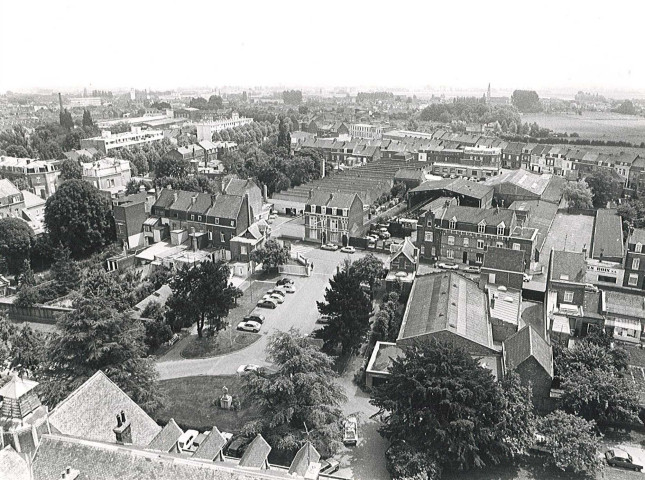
{"points": [[620, 458], [237, 446], [284, 281], [264, 303], [329, 466], [255, 317]]}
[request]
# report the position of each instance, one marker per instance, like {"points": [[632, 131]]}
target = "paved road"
{"points": [[299, 310]]}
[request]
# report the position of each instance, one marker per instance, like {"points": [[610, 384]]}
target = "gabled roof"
{"points": [[185, 202], [475, 216], [13, 466], [90, 411], [17, 387], [504, 259], [408, 250], [7, 188], [212, 447], [527, 343], [637, 236], [166, 198], [531, 182], [568, 266], [226, 206], [237, 186], [167, 438], [305, 457], [256, 454], [331, 199], [207, 145]]}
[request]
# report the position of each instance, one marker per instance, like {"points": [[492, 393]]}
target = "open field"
{"points": [[594, 125]]}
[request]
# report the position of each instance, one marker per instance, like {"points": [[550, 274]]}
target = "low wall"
{"points": [[38, 313]]}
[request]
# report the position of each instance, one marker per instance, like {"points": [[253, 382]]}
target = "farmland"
{"points": [[594, 125]]}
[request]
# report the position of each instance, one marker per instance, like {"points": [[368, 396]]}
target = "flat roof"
{"points": [[608, 234]]}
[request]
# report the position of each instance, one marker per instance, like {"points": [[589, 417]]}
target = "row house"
{"points": [[332, 217], [512, 155], [12, 201], [41, 175], [635, 260], [463, 234]]}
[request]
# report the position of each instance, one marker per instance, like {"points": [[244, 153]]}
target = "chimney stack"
{"points": [[60, 102], [175, 196], [122, 431]]}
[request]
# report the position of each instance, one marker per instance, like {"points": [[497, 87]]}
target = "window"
{"points": [[491, 278], [312, 221], [232, 223], [500, 229], [636, 263], [466, 242], [333, 211], [479, 258], [639, 247], [516, 246], [222, 239], [452, 224], [243, 249], [499, 244], [481, 228], [568, 297], [199, 218], [480, 244], [345, 212], [429, 236], [429, 221], [217, 221], [433, 251], [333, 224], [423, 250], [210, 235], [192, 217], [450, 254], [451, 240], [633, 279]]}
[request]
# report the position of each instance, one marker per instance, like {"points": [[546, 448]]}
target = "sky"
{"points": [[564, 45]]}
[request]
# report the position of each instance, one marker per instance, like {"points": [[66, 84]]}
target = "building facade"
{"points": [[41, 175], [108, 141], [332, 217], [635, 260], [205, 130], [108, 174], [12, 201], [364, 130]]}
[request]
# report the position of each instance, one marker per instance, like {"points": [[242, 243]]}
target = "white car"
{"points": [[348, 249], [253, 327], [527, 277], [267, 303], [242, 369], [330, 246], [286, 289], [448, 266], [278, 291], [274, 296], [273, 216]]}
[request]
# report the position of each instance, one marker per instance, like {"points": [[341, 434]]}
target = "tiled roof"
{"points": [[226, 206], [90, 412], [450, 302], [625, 304], [331, 199], [166, 198], [504, 259], [167, 438], [568, 266], [591, 305], [608, 234], [237, 186], [13, 466], [256, 454], [212, 447], [637, 236], [305, 457], [527, 343], [408, 249], [7, 188], [185, 201]]}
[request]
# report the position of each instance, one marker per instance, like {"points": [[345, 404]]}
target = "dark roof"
{"points": [[212, 446], [568, 266], [100, 461], [331, 199], [460, 186], [90, 412], [554, 190], [591, 305], [504, 259], [409, 174], [305, 457], [607, 234], [237, 186], [226, 206], [256, 454], [167, 438], [527, 343], [474, 215], [166, 198], [408, 249], [447, 301]]}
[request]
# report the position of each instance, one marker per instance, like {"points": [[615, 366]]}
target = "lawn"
{"points": [[193, 403], [224, 342]]}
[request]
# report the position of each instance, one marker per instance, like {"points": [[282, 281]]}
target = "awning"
{"points": [[625, 323], [561, 324]]}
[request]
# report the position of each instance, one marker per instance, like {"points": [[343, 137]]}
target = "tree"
{"points": [[70, 169], [519, 420], [572, 442], [284, 137], [26, 278], [169, 167], [202, 293], [16, 239], [398, 190], [79, 217], [626, 108], [349, 311], [154, 321], [300, 396], [578, 195], [65, 120], [7, 330], [606, 186], [101, 284], [27, 350], [526, 101], [444, 404], [405, 462], [271, 255], [134, 186], [95, 336], [65, 271], [215, 102], [87, 119], [368, 269]]}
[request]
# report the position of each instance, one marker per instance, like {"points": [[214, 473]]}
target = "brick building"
{"points": [[635, 260], [332, 217]]}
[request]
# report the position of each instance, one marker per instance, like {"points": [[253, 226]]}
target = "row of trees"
{"points": [[254, 132], [46, 142], [597, 190], [472, 110], [144, 158]]}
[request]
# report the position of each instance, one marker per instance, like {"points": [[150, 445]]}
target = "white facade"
{"points": [[108, 141], [205, 130], [108, 174], [363, 130]]}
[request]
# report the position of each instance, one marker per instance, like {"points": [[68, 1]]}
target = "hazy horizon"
{"points": [[556, 49]]}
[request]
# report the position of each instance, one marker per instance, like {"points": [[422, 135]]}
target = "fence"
{"points": [[298, 270]]}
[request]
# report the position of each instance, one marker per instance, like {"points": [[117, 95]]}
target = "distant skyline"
{"points": [[562, 46]]}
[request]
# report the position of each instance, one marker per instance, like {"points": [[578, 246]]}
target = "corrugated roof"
{"points": [[531, 182], [527, 343]]}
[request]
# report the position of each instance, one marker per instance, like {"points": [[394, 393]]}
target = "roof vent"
{"points": [[508, 299], [501, 288]]}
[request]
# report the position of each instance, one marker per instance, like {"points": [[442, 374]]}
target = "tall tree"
{"points": [[300, 397], [65, 119], [441, 402], [16, 239], [368, 269], [349, 310], [284, 137], [578, 194], [79, 217], [606, 185], [169, 167], [271, 255], [201, 294], [70, 169], [87, 119], [27, 277]]}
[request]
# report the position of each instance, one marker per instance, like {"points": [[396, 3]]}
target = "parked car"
{"points": [[255, 317], [267, 303], [286, 288], [348, 249], [329, 466], [323, 320], [236, 446], [253, 327], [350, 431], [284, 281], [277, 291], [448, 266], [273, 216], [472, 269], [274, 296], [185, 441], [617, 457], [242, 369], [383, 233], [330, 246], [527, 277]]}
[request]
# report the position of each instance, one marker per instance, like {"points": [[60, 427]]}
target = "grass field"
{"points": [[594, 125]]}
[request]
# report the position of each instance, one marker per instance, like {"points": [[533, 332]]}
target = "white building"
{"points": [[108, 174], [108, 141], [364, 130], [205, 130]]}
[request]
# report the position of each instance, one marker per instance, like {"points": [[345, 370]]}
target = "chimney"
{"points": [[248, 209], [60, 101], [193, 238], [265, 193], [192, 200], [122, 431], [175, 196], [69, 474]]}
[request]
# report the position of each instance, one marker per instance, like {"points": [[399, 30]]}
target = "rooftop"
{"points": [[506, 306], [624, 304], [527, 343], [607, 234], [167, 438], [7, 188], [529, 181], [568, 266], [504, 259]]}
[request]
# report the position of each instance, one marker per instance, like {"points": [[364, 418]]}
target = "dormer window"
{"points": [[313, 209], [500, 229], [639, 247], [453, 223], [481, 228]]}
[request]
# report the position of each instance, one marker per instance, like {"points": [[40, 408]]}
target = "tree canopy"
{"points": [[526, 101], [606, 186], [16, 240], [271, 255], [578, 194], [300, 396], [70, 169]]}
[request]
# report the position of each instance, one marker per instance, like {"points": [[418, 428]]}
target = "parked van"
{"points": [[185, 442]]}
